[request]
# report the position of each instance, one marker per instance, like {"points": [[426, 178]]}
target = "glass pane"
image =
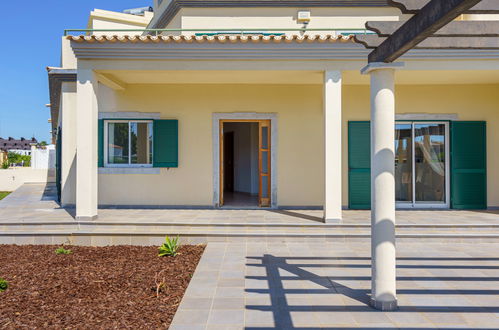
{"points": [[141, 143], [265, 137], [265, 162], [117, 143], [403, 163], [430, 160], [265, 185]]}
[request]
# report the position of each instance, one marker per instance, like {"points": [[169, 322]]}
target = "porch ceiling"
{"points": [[404, 77]]}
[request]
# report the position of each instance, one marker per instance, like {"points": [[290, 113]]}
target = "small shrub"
{"points": [[3, 285], [5, 165], [169, 247], [62, 250]]}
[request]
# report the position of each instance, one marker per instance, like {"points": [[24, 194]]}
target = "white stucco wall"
{"points": [[43, 158]]}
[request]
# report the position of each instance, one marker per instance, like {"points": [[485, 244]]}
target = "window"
{"points": [[421, 164], [129, 143]]}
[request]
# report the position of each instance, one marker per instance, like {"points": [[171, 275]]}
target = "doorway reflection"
{"points": [[403, 163], [421, 164]]}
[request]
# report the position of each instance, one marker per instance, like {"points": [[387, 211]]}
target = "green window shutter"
{"points": [[359, 165], [100, 155], [468, 165], [165, 146]]}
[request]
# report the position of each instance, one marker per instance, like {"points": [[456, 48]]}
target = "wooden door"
{"points": [[221, 164], [228, 161], [264, 163]]}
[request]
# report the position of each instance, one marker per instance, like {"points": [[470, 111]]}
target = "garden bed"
{"points": [[94, 287]]}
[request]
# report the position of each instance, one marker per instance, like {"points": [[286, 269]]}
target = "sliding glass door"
{"points": [[422, 164]]}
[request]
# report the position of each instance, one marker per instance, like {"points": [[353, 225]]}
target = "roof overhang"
{"points": [[56, 77], [256, 47], [237, 47], [169, 11]]}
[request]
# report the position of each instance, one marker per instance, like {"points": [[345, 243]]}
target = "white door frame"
{"points": [[216, 117], [428, 205]]}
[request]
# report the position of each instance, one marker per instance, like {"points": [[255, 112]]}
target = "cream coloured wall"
{"points": [[255, 18], [299, 179], [300, 158], [481, 17], [104, 19]]}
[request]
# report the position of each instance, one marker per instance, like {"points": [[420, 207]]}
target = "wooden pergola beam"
{"points": [[431, 18], [373, 41], [414, 6], [453, 29]]}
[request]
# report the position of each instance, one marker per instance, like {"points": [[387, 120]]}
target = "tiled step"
{"points": [[236, 230], [156, 237]]}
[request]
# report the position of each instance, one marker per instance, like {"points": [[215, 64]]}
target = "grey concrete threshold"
{"points": [[229, 224], [226, 234]]}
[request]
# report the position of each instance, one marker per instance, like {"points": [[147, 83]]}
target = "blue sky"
{"points": [[31, 39]]}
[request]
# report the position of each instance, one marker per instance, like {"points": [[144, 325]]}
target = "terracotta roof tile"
{"points": [[206, 38]]}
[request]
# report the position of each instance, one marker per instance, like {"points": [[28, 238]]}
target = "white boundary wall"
{"points": [[43, 158], [13, 178]]}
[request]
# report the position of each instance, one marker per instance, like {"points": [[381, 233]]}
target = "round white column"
{"points": [[383, 260]]}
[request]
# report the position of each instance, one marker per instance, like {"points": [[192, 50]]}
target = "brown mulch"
{"points": [[93, 288]]}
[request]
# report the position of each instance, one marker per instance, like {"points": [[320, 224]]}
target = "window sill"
{"points": [[129, 170]]}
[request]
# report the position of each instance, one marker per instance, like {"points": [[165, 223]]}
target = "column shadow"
{"points": [[280, 271]]}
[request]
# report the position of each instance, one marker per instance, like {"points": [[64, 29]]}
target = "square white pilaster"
{"points": [[332, 146], [86, 145]]}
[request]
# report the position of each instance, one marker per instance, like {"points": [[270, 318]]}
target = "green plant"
{"points": [[3, 285], [62, 250], [5, 165], [15, 158], [169, 247]]}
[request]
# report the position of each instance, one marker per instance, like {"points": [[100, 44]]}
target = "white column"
{"points": [[383, 251], [332, 146], [86, 145]]}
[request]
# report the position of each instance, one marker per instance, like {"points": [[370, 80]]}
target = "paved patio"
{"points": [[37, 202], [31, 215], [306, 285], [295, 283]]}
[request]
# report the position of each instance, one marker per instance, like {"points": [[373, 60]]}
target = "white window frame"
{"points": [[106, 143], [428, 205]]}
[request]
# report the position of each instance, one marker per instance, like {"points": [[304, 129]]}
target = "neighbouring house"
{"points": [[21, 146], [262, 104]]}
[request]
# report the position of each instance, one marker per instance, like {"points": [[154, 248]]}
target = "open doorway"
{"points": [[245, 163]]}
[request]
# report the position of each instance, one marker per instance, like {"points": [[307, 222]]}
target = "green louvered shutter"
{"points": [[468, 165], [165, 143], [359, 165], [100, 155]]}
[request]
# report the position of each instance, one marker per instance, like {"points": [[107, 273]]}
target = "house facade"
{"points": [[263, 104]]}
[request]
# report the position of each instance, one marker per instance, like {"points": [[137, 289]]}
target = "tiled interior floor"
{"points": [[36, 202], [235, 198], [305, 285]]}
